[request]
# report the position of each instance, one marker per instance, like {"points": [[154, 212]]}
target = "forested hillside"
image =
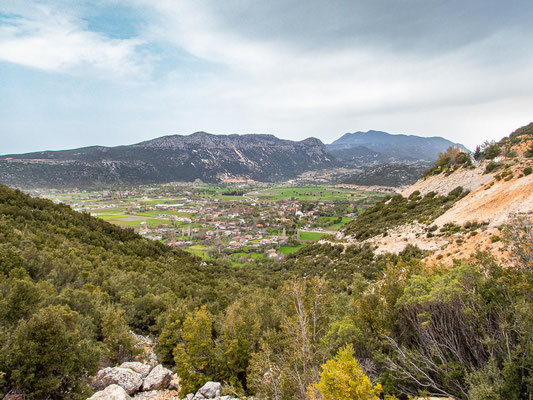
{"points": [[72, 286]]}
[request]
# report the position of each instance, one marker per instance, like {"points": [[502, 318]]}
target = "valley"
{"points": [[239, 223], [254, 289]]}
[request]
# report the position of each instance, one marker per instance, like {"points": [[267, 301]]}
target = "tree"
{"points": [[195, 355], [519, 233], [342, 378], [49, 356], [290, 363], [119, 344]]}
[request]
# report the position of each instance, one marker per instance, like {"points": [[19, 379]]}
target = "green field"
{"points": [[290, 249], [310, 236], [310, 193], [198, 250], [340, 224]]}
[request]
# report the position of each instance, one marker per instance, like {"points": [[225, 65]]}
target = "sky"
{"points": [[112, 72]]}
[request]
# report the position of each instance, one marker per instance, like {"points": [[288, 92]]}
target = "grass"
{"points": [[198, 250], [290, 249], [339, 225], [311, 236], [310, 193]]}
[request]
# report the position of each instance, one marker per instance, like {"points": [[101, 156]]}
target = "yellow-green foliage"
{"points": [[195, 356], [342, 378]]}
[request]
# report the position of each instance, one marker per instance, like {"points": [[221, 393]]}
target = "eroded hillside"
{"points": [[495, 187]]}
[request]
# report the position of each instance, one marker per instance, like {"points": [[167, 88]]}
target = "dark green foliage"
{"points": [[528, 171], [492, 167], [398, 210], [108, 280], [51, 355], [74, 283], [523, 131]]}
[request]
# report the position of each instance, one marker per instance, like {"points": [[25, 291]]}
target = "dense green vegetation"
{"points": [[72, 286], [399, 210]]}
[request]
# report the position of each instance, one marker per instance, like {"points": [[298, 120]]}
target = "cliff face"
{"points": [[170, 158]]}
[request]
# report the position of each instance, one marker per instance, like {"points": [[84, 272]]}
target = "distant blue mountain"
{"points": [[383, 146]]}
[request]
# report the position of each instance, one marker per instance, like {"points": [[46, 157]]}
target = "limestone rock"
{"points": [[112, 392], [126, 378], [210, 390], [174, 383], [158, 379], [140, 368]]}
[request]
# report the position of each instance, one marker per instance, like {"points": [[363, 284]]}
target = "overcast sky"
{"points": [[76, 73]]}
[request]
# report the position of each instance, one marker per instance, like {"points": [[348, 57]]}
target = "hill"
{"points": [[377, 146], [388, 174], [494, 187], [73, 288], [210, 158]]}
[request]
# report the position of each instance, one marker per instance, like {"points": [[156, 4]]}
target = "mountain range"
{"points": [[203, 156], [212, 158]]}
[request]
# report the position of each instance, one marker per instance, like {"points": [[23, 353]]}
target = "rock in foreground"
{"points": [[112, 392], [126, 378], [158, 379]]}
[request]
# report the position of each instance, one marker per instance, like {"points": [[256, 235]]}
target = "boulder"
{"points": [[174, 383], [190, 396], [112, 392], [158, 379], [209, 391], [140, 368], [126, 378]]}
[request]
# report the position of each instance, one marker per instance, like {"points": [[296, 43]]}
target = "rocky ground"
{"points": [[493, 201], [139, 381]]}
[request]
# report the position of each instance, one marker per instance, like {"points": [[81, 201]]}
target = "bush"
{"points": [[342, 378], [492, 167], [50, 355]]}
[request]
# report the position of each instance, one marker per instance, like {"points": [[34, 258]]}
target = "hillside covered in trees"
{"points": [[72, 287]]}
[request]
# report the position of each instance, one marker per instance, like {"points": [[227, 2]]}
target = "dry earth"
{"points": [[490, 200]]}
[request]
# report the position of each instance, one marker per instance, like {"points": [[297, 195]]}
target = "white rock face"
{"points": [[126, 378], [140, 368], [210, 390], [112, 392], [158, 379]]}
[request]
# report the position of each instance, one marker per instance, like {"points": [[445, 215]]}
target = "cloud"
{"points": [[45, 38], [292, 68], [392, 58]]}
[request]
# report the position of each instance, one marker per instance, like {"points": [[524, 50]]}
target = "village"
{"points": [[243, 223]]}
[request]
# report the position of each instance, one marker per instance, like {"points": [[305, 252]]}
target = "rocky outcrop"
{"points": [[159, 378], [133, 377], [138, 381], [210, 390], [112, 392], [126, 378], [140, 368]]}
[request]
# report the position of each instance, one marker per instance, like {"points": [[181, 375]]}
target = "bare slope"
{"points": [[499, 185]]}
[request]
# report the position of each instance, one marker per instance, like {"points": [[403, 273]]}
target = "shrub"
{"points": [[492, 166]]}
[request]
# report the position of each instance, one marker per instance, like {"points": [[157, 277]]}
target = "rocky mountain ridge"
{"points": [[203, 156]]}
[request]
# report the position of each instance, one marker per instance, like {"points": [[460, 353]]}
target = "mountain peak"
{"points": [[393, 146]]}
